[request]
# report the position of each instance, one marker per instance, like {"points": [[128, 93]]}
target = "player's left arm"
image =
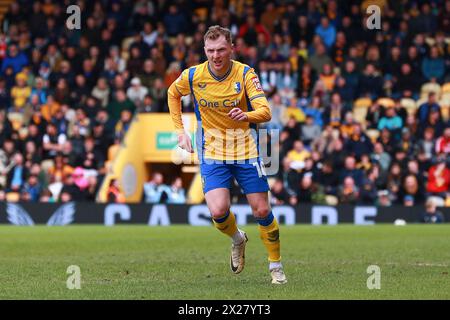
{"points": [[261, 109]]}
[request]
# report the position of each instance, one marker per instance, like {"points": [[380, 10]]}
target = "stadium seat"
{"points": [[373, 134], [430, 87], [420, 102], [331, 200], [386, 102], [409, 104], [445, 112], [16, 119], [12, 197], [359, 114], [446, 88], [362, 103]]}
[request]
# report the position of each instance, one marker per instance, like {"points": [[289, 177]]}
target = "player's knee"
{"points": [[219, 211], [261, 212]]}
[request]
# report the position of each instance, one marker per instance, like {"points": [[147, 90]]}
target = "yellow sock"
{"points": [[270, 235], [226, 224]]}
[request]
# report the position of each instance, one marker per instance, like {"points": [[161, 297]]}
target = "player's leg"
{"points": [[216, 183], [253, 181], [269, 231]]}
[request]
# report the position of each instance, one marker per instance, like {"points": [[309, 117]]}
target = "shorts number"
{"points": [[260, 168]]}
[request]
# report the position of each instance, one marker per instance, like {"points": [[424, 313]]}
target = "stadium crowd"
{"points": [[363, 114]]}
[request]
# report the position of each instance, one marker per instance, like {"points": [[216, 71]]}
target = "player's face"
{"points": [[218, 52]]}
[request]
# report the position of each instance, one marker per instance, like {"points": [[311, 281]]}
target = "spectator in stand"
{"points": [[431, 214], [298, 155], [280, 195], [15, 59], [392, 122], [310, 130], [439, 178], [433, 66], [425, 108], [443, 143], [348, 192], [115, 195], [155, 191], [176, 192], [351, 171], [411, 187]]}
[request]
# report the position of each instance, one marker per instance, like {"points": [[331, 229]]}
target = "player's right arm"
{"points": [[178, 89]]}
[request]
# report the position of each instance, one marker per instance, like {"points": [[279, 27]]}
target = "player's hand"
{"points": [[184, 142], [237, 114]]}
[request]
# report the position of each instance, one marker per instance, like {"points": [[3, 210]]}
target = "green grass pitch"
{"points": [[185, 262]]}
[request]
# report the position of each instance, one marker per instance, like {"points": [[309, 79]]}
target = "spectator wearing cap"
{"points": [[136, 93], [408, 201], [20, 93], [383, 199], [45, 71]]}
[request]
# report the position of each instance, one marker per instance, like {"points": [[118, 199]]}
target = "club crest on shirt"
{"points": [[257, 84], [237, 87], [202, 85]]}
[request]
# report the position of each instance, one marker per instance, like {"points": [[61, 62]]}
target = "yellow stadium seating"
{"points": [[430, 87], [362, 103], [373, 134], [386, 102], [12, 197], [409, 104], [446, 88], [359, 114]]}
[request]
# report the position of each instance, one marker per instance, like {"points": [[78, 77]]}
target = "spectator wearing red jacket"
{"points": [[250, 30], [439, 178]]}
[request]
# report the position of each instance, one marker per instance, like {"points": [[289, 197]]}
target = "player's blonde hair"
{"points": [[216, 31]]}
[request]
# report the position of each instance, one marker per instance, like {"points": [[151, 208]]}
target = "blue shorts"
{"points": [[249, 175]]}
